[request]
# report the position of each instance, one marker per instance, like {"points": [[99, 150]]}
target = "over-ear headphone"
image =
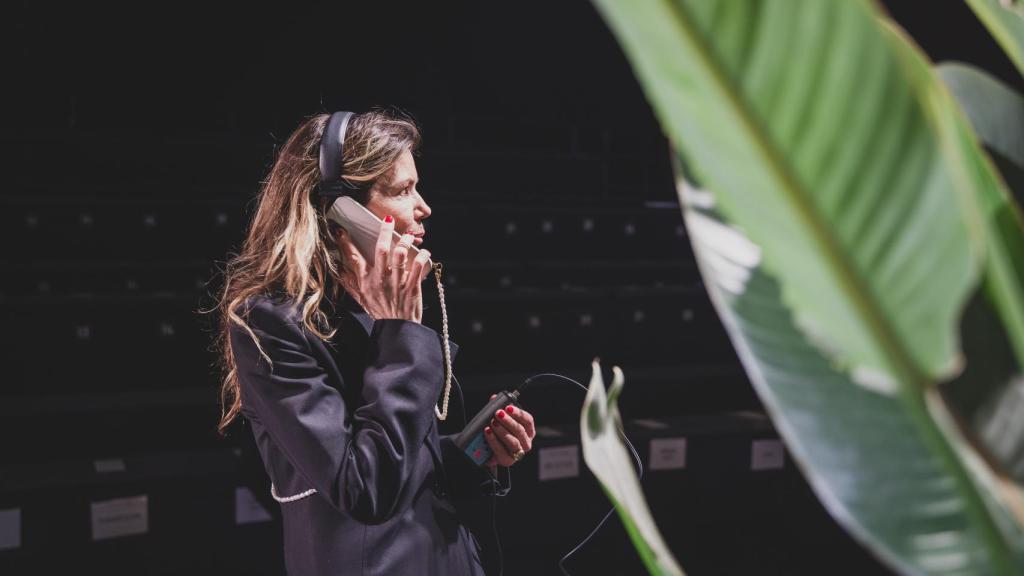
{"points": [[332, 147]]}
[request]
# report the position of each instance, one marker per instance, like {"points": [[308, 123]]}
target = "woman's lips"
{"points": [[417, 240]]}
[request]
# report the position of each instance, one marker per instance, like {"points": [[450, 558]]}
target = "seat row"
{"points": [[196, 278], [38, 229], [115, 343]]}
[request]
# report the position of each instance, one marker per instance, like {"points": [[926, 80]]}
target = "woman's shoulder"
{"points": [[270, 310]]}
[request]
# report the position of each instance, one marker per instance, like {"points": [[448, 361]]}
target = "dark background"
{"points": [[134, 139]]}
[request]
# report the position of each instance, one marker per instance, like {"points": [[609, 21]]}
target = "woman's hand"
{"points": [[510, 435], [389, 288]]}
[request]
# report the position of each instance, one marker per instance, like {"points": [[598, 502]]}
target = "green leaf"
{"points": [[1005, 20], [607, 458], [840, 240], [996, 113], [802, 109], [994, 326], [863, 453]]}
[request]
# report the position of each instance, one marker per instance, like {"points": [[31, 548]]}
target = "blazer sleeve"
{"points": [[465, 478], [359, 464]]}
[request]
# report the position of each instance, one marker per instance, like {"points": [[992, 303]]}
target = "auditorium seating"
{"points": [[720, 510], [551, 259], [107, 294]]}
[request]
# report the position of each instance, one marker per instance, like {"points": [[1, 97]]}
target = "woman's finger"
{"points": [[417, 304], [414, 298], [510, 439], [416, 269], [524, 418], [501, 454], [427, 267], [350, 253], [399, 262], [382, 251], [514, 429]]}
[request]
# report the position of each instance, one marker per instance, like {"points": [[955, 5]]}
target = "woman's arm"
{"points": [[360, 467]]}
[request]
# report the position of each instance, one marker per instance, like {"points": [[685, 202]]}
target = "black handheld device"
{"points": [[471, 439]]}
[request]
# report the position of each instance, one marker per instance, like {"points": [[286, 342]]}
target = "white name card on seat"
{"points": [[767, 454], [120, 517], [558, 462], [668, 454], [248, 509], [10, 529]]}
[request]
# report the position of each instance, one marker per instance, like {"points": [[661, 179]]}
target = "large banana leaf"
{"points": [[862, 452], [840, 241], [1005, 20]]}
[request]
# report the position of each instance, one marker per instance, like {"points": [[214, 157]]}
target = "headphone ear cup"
{"points": [[332, 149]]}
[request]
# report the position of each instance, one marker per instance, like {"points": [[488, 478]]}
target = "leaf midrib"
{"points": [[849, 276]]}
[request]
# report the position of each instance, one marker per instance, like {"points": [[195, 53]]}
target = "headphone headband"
{"points": [[332, 148]]}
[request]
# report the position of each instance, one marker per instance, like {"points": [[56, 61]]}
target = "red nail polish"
{"points": [[501, 414], [488, 430], [389, 219], [510, 410]]}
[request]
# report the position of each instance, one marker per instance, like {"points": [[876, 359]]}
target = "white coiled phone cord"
{"points": [[442, 414]]}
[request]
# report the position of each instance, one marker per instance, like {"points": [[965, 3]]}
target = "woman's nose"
{"points": [[424, 209]]}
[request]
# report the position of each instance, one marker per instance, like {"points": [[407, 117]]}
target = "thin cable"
{"points": [[636, 458], [494, 526], [494, 487]]}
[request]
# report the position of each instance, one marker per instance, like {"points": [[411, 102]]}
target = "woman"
{"points": [[326, 358]]}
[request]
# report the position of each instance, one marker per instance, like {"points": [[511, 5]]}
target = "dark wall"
{"points": [[510, 77]]}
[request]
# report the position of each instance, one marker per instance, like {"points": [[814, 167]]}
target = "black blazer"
{"points": [[347, 433]]}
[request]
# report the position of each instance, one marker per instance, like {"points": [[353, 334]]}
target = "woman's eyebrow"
{"points": [[401, 185]]}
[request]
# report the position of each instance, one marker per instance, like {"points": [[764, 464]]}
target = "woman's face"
{"points": [[395, 193]]}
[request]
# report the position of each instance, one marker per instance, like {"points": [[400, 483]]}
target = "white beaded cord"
{"points": [[286, 499], [442, 414]]}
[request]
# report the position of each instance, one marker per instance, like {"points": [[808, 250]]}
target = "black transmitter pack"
{"points": [[471, 439]]}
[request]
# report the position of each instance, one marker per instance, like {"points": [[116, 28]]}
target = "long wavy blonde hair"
{"points": [[289, 248]]}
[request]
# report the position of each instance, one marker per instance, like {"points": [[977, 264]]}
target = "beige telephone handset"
{"points": [[363, 228]]}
